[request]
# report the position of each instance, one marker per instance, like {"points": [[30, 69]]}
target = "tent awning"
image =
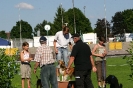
{"points": [[4, 42]]}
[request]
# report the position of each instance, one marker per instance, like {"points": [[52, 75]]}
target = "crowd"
{"points": [[81, 56]]}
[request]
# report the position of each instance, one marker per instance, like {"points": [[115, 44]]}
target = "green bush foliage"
{"points": [[9, 68], [130, 59]]}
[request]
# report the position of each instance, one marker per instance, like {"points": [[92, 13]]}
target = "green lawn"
{"points": [[115, 66]]}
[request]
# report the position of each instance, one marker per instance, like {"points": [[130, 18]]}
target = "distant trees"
{"points": [[101, 27], [40, 27], [24, 28], [122, 22], [3, 34], [82, 23]]}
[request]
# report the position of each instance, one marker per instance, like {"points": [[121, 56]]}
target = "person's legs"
{"points": [[23, 71], [104, 73], [79, 79], [99, 72], [28, 74], [88, 81], [28, 82], [53, 77], [65, 56], [22, 82], [45, 72], [59, 57]]}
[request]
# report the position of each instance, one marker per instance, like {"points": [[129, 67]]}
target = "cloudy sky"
{"points": [[35, 11]]}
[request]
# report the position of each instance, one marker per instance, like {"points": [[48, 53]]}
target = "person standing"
{"points": [[25, 66], [45, 58], [99, 51], [61, 41], [83, 62]]}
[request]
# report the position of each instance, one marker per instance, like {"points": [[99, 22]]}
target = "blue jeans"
{"points": [[63, 55], [48, 76]]}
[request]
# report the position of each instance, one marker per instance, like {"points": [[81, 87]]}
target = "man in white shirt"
{"points": [[61, 41]]}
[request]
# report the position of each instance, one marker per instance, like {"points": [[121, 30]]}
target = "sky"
{"points": [[35, 11]]}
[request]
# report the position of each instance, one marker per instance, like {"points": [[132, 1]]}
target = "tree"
{"points": [[59, 20], [122, 22], [101, 27], [128, 20], [130, 59], [118, 23], [26, 30], [82, 23], [3, 34]]}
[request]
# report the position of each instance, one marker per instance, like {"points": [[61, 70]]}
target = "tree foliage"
{"points": [[122, 22], [41, 27], [128, 20], [26, 30], [82, 23], [118, 23], [59, 19], [130, 59], [101, 27], [3, 34]]}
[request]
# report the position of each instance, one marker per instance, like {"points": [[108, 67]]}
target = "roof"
{"points": [[4, 42]]}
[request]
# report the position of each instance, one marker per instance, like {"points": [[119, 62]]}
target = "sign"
{"points": [[47, 27]]}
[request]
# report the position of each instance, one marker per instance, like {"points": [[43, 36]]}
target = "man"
{"points": [[45, 57], [83, 61], [61, 41]]}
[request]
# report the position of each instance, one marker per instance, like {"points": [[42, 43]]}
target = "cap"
{"points": [[42, 38], [75, 35]]}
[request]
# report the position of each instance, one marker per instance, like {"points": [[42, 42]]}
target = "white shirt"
{"points": [[61, 40], [26, 56]]}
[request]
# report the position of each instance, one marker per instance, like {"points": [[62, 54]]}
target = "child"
{"points": [[25, 64], [99, 51]]}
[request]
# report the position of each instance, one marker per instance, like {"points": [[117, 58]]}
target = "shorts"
{"points": [[25, 71], [101, 70]]}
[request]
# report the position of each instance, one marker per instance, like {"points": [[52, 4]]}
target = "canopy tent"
{"points": [[4, 42]]}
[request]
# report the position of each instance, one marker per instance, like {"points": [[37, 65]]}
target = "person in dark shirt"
{"points": [[82, 57]]}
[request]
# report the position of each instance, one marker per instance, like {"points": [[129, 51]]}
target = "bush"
{"points": [[130, 59], [9, 68]]}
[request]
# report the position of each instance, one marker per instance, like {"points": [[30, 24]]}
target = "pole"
{"points": [[84, 9], [105, 18], [47, 37], [61, 15], [20, 28], [74, 17]]}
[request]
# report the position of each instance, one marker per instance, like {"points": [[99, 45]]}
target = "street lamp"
{"points": [[74, 17], [20, 28], [47, 28], [84, 9], [105, 18], [61, 14]]}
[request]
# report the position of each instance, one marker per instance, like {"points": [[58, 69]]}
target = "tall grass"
{"points": [[115, 66]]}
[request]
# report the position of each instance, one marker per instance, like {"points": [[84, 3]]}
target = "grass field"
{"points": [[115, 66]]}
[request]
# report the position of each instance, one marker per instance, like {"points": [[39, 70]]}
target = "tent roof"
{"points": [[4, 42]]}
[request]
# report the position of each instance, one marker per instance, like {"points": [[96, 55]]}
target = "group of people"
{"points": [[81, 55]]}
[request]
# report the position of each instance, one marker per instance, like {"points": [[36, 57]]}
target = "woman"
{"points": [[99, 51], [25, 64]]}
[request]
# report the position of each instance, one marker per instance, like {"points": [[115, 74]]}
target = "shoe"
{"points": [[58, 78], [104, 86], [99, 87]]}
